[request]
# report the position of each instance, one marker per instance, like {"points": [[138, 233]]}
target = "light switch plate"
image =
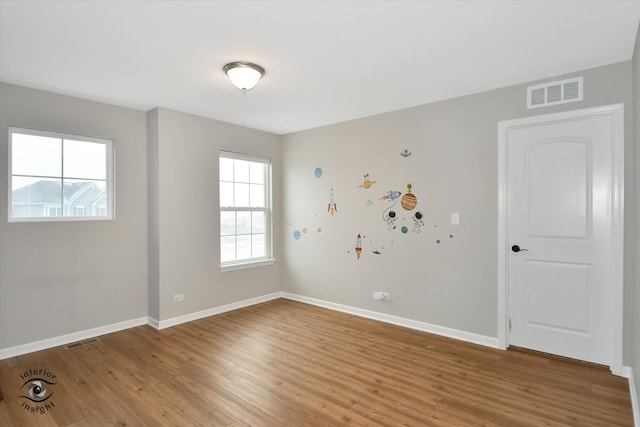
{"points": [[455, 218]]}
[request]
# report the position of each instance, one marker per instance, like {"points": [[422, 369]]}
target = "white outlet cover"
{"points": [[455, 218]]}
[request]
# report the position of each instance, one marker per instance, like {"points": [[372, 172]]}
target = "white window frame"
{"points": [[109, 179], [258, 261]]}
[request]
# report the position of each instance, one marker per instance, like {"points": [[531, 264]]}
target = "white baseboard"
{"points": [[154, 323], [400, 321], [69, 338], [635, 404], [162, 324], [212, 311]]}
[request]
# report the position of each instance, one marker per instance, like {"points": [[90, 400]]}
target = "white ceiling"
{"points": [[326, 61]]}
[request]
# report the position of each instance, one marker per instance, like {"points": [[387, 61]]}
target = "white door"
{"points": [[561, 209]]}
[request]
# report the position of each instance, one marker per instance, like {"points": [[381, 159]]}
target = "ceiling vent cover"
{"points": [[552, 93]]}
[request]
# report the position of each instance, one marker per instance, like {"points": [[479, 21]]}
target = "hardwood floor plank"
{"points": [[284, 363]]}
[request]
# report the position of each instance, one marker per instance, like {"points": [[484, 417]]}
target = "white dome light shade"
{"points": [[244, 75]]}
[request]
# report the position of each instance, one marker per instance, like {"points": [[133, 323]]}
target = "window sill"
{"points": [[243, 265]]}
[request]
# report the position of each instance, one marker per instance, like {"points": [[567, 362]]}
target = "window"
{"points": [[245, 211], [59, 177]]}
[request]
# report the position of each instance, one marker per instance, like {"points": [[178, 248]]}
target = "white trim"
{"points": [[69, 338], [154, 323], [616, 112], [400, 321], [162, 324], [244, 265], [633, 391]]}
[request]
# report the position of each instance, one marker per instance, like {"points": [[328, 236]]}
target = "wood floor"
{"points": [[284, 363]]}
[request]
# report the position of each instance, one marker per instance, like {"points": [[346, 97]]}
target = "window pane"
{"points": [[241, 195], [85, 160], [243, 208], [244, 247], [258, 246], [52, 176], [226, 169], [258, 223], [244, 223], [227, 248], [226, 194], [256, 195], [33, 197], [227, 223], [256, 171], [36, 155], [240, 171], [92, 194]]}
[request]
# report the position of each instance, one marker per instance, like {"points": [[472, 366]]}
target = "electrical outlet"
{"points": [[178, 297], [381, 296]]}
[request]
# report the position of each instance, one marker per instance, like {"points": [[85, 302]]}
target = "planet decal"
{"points": [[404, 229], [367, 183], [318, 172], [409, 201], [297, 235]]}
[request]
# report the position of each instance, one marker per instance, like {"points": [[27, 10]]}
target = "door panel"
{"points": [[557, 296], [559, 207]]}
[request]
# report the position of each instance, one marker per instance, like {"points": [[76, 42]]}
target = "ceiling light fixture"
{"points": [[243, 75]]}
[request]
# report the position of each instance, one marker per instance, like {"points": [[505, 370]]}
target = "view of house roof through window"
{"points": [[56, 176]]}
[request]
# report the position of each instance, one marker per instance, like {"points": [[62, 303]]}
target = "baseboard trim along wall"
{"points": [[400, 321], [19, 350], [162, 324], [167, 323]]}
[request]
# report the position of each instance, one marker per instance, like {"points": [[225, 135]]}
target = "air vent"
{"points": [[79, 344], [552, 93]]}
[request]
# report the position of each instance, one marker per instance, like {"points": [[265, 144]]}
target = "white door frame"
{"points": [[616, 112]]}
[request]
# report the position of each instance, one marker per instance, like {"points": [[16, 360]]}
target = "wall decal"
{"points": [[333, 206], [418, 222], [389, 215], [406, 153], [297, 235], [391, 196], [409, 201], [317, 172], [367, 182], [358, 246], [404, 229], [437, 241]]}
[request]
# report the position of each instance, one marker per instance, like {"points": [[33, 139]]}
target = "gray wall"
{"points": [[184, 221], [63, 277], [153, 291], [635, 328], [453, 168]]}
